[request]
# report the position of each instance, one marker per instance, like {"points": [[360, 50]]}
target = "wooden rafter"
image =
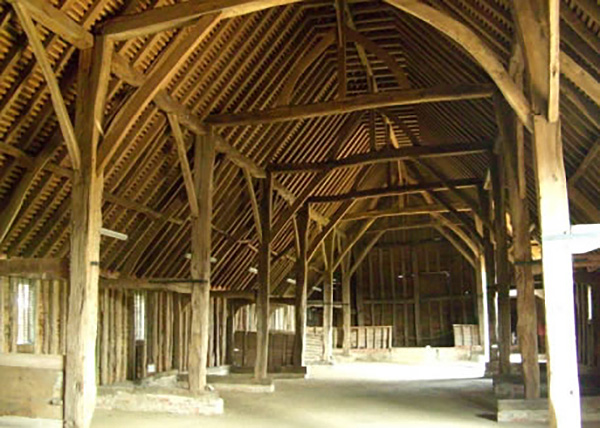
{"points": [[406, 211], [253, 202], [129, 74], [357, 103], [324, 43], [585, 164], [19, 193], [348, 129], [169, 63], [394, 191], [363, 44], [359, 258], [468, 256], [185, 165], [463, 196], [345, 249], [44, 13], [58, 101], [580, 77], [342, 210], [177, 15], [383, 156], [470, 41]]}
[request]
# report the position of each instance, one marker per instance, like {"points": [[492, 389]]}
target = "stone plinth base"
{"points": [[158, 400], [536, 411]]}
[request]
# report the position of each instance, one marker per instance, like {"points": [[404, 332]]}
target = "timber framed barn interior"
{"points": [[286, 212]]}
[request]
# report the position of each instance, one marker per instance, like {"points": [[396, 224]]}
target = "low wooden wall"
{"points": [[466, 335], [281, 346], [361, 337], [120, 356], [32, 386]]}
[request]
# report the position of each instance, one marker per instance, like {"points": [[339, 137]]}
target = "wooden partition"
{"points": [[48, 316], [281, 346], [361, 337], [162, 344], [420, 290], [587, 301], [32, 386], [370, 337]]}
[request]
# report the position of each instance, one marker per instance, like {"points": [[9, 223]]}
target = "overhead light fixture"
{"points": [[291, 281], [189, 257], [317, 289], [252, 270], [113, 234]]}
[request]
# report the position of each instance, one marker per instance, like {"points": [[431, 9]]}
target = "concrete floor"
{"points": [[344, 396]]}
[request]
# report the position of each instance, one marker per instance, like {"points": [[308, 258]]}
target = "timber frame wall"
{"points": [[442, 292], [119, 356]]}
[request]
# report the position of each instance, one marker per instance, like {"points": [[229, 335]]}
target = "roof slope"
{"points": [[243, 65]]}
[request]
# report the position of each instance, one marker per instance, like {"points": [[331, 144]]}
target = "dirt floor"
{"points": [[344, 396]]}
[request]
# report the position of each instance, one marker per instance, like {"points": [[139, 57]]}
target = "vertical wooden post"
{"points": [[301, 286], [563, 380], [3, 294], [482, 299], [417, 294], [328, 301], [223, 330], [539, 33], [519, 210], [360, 305], [490, 278], [86, 219], [502, 272], [204, 159], [264, 281], [232, 307], [346, 304]]}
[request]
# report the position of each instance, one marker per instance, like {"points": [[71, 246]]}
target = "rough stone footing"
{"points": [[511, 386], [530, 411], [158, 400], [233, 382]]}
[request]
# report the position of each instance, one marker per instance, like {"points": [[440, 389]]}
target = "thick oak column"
{"points": [[563, 380], [482, 299], [264, 281], [204, 159], [86, 220], [301, 287], [519, 214], [328, 301], [538, 25], [502, 272], [490, 278], [346, 304]]}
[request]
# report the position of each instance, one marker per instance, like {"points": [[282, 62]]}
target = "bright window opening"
{"points": [[140, 316], [25, 314], [590, 306]]}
